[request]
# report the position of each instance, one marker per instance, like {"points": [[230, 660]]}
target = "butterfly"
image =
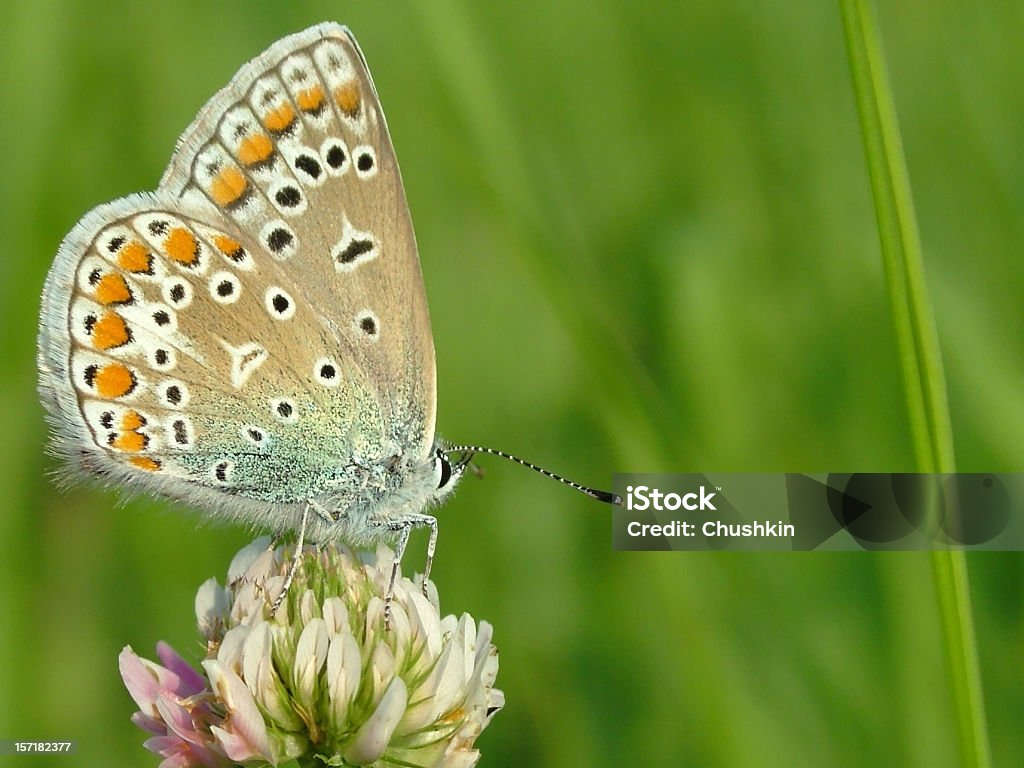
{"points": [[253, 338]]}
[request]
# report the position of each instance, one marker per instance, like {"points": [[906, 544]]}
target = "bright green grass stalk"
{"points": [[920, 359]]}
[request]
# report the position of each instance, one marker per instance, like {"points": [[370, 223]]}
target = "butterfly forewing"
{"points": [[267, 298]]}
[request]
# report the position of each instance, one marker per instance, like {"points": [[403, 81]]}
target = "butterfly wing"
{"points": [[258, 325]]}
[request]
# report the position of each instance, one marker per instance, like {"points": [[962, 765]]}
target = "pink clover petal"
{"points": [[208, 757], [164, 745], [246, 722], [178, 719], [147, 723], [188, 757], [191, 681], [140, 680], [181, 753], [235, 746]]}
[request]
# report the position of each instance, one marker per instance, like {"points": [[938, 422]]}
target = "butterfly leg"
{"points": [[296, 560], [403, 527], [431, 545], [328, 515]]}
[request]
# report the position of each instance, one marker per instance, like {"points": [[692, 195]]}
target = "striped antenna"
{"points": [[467, 452]]}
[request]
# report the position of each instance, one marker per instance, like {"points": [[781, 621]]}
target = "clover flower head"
{"points": [[322, 681]]}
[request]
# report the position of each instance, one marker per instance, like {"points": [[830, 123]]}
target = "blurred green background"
{"points": [[648, 245]]}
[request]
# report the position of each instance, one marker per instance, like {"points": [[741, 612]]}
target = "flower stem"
{"points": [[920, 359]]}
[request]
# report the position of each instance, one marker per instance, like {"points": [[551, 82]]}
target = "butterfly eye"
{"points": [[445, 470]]}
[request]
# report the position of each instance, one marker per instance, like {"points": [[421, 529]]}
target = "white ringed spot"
{"points": [[367, 325], [284, 410], [180, 434], [225, 287], [327, 372], [308, 166], [159, 318], [177, 292], [364, 158], [335, 155], [162, 359], [222, 471], [279, 239], [288, 198], [279, 303], [255, 434], [173, 393]]}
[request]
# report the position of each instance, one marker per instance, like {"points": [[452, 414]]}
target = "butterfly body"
{"points": [[252, 338]]}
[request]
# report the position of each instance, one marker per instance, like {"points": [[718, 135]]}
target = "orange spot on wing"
{"points": [[347, 98], [114, 380], [132, 420], [227, 245], [132, 442], [110, 332], [113, 289], [311, 99], [182, 246], [279, 119], [228, 187], [255, 149], [135, 257], [146, 463]]}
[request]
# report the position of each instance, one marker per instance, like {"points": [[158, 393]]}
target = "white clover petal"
{"points": [[488, 666], [263, 680], [336, 615], [374, 620], [482, 679], [382, 565], [212, 607], [426, 625], [256, 654], [494, 705], [249, 604], [449, 676], [310, 655], [400, 637], [418, 716], [432, 596], [308, 608], [272, 589], [373, 736], [448, 625], [246, 557], [230, 651], [484, 632], [382, 669], [344, 668]]}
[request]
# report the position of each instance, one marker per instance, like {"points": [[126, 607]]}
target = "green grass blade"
{"points": [[920, 359]]}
